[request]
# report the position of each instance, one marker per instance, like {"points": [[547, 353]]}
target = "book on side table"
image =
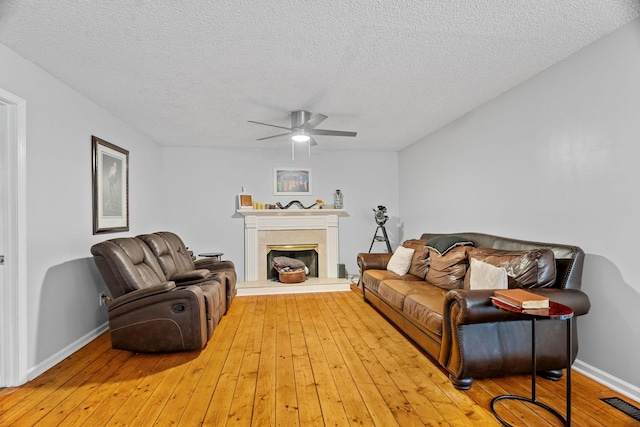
{"points": [[521, 298]]}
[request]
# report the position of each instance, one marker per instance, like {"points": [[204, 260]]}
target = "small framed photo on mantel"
{"points": [[291, 182], [110, 167]]}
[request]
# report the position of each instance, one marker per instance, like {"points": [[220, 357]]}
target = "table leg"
{"points": [[532, 399], [534, 369], [569, 356]]}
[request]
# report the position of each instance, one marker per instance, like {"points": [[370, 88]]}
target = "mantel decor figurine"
{"points": [[318, 203]]}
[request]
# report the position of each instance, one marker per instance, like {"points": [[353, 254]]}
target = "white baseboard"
{"points": [[610, 381], [66, 352]]}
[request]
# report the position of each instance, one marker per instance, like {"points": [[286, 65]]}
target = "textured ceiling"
{"points": [[193, 73]]}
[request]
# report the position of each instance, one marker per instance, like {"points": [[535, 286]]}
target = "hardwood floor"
{"points": [[324, 359]]}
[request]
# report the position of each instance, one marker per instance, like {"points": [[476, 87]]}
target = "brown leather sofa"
{"points": [[459, 327], [156, 306]]}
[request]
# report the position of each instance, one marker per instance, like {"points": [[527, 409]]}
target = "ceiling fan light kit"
{"points": [[300, 136], [303, 128]]}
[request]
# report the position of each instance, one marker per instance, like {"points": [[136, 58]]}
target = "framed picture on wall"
{"points": [[291, 182], [110, 166]]}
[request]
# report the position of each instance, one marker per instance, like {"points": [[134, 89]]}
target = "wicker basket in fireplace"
{"points": [[289, 270], [296, 276]]}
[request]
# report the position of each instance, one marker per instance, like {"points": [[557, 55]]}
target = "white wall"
{"points": [[63, 283], [555, 159], [202, 187]]}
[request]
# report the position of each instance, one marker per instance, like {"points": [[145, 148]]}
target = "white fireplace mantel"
{"points": [[261, 225]]}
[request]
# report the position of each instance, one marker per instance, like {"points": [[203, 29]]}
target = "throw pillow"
{"points": [[420, 261], [482, 275], [400, 260], [447, 271], [535, 268], [443, 244]]}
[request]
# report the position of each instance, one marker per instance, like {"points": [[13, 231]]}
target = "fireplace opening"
{"points": [[305, 253]]}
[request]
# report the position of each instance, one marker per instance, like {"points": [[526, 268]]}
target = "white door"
{"points": [[3, 216], [13, 218]]}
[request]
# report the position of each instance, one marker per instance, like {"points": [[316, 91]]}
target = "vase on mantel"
{"points": [[338, 200]]}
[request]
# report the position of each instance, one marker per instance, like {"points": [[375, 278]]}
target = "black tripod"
{"points": [[383, 238]]}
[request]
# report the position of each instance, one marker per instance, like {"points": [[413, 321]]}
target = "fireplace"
{"points": [[284, 227], [305, 253]]}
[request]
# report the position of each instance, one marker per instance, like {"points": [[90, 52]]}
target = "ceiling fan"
{"points": [[303, 128]]}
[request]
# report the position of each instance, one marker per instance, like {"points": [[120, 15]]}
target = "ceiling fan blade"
{"points": [[267, 124], [330, 132], [314, 121], [312, 141], [274, 136]]}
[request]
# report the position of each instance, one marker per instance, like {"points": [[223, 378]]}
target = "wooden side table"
{"points": [[555, 311], [217, 256]]}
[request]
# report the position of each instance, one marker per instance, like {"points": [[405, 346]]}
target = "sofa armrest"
{"points": [[476, 307], [190, 275], [574, 298], [213, 265], [367, 261], [141, 294], [194, 277]]}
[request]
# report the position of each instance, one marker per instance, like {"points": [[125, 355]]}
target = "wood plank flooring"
{"points": [[324, 359]]}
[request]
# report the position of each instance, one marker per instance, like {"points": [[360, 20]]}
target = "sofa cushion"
{"points": [[401, 260], [482, 275], [534, 268], [394, 291], [447, 271], [372, 278], [423, 306], [420, 261], [443, 244]]}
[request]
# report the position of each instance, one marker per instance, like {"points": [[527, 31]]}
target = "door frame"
{"points": [[13, 296]]}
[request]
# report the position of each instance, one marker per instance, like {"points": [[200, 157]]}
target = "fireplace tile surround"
{"points": [[265, 227]]}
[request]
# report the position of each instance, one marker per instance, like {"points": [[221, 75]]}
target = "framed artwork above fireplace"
{"points": [[291, 182]]}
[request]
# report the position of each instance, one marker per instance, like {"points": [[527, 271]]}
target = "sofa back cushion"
{"points": [[420, 261], [163, 253], [127, 264], [535, 268], [569, 259], [448, 271], [182, 256]]}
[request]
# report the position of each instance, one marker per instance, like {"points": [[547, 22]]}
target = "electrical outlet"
{"points": [[102, 297]]}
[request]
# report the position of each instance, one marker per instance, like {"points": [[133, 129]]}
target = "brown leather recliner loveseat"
{"points": [[154, 305], [178, 265], [458, 326]]}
